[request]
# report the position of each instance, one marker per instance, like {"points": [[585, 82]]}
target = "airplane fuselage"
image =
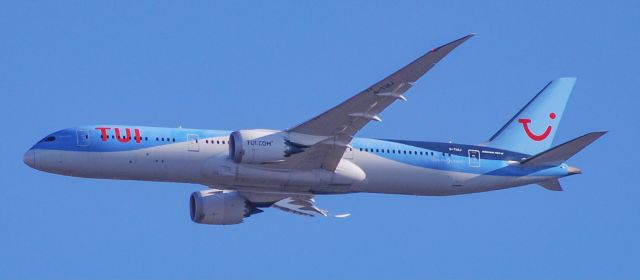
{"points": [[251, 169], [202, 157]]}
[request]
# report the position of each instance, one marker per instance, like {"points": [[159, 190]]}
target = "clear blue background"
{"points": [[267, 64]]}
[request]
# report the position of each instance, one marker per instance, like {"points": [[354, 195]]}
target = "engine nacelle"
{"points": [[256, 146], [219, 208]]}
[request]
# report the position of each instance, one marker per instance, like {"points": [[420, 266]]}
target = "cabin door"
{"points": [[194, 146], [474, 158], [82, 137]]}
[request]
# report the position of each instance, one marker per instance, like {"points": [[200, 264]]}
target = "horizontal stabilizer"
{"points": [[561, 153], [552, 185]]}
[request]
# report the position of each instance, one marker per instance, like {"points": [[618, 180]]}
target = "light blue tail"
{"points": [[533, 128]]}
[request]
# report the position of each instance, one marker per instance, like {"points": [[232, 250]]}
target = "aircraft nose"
{"points": [[29, 158]]}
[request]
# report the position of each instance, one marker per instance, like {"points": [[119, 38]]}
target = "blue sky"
{"points": [[207, 64]]}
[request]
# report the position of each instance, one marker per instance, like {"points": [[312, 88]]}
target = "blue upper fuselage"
{"points": [[118, 139], [433, 155]]}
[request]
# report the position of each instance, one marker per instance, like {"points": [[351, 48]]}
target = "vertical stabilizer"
{"points": [[533, 128]]}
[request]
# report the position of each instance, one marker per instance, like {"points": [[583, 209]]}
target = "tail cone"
{"points": [[572, 170]]}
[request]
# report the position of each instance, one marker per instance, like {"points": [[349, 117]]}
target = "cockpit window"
{"points": [[49, 139]]}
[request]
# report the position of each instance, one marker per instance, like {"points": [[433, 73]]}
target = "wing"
{"points": [[296, 203], [337, 126], [302, 206]]}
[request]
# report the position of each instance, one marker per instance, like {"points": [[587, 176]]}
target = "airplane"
{"points": [[249, 170]]}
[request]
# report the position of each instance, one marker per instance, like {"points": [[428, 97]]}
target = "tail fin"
{"points": [[533, 128], [562, 152]]}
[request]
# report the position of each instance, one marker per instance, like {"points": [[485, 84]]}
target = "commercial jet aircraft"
{"points": [[249, 170]]}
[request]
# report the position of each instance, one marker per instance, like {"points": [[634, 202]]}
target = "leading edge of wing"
{"points": [[421, 65], [330, 133]]}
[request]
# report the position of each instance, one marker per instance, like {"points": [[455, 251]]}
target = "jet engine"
{"points": [[215, 207], [255, 146]]}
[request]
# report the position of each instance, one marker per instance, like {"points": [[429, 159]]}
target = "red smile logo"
{"points": [[533, 136]]}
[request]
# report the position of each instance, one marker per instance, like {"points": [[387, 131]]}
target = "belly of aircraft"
{"points": [[389, 176]]}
